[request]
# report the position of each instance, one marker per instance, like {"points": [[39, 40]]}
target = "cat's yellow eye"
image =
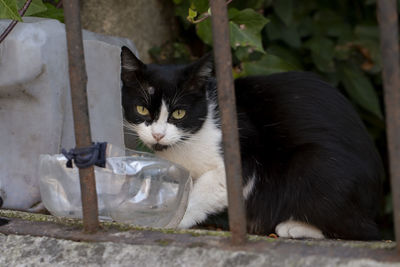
{"points": [[142, 110], [178, 114]]}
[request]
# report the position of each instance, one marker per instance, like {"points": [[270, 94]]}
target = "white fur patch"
{"points": [[150, 90], [248, 189], [201, 156], [208, 196], [296, 229], [160, 126], [201, 152], [172, 134]]}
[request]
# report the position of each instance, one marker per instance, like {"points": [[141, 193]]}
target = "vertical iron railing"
{"points": [[389, 39], [227, 105], [78, 81], [388, 22], [226, 98]]}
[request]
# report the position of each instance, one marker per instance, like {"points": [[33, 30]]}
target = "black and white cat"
{"points": [[310, 169]]}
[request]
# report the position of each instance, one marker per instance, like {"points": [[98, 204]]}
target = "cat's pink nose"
{"points": [[158, 136]]}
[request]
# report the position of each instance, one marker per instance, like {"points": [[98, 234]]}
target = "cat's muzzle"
{"points": [[159, 147]]}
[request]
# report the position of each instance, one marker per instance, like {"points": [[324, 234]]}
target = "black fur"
{"points": [[314, 159], [312, 156]]}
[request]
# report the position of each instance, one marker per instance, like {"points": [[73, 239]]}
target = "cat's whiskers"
{"points": [[174, 98], [145, 94], [130, 126], [131, 133], [192, 140]]}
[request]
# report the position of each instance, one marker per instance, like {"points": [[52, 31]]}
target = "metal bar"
{"points": [[388, 26], [227, 105], [78, 81]]}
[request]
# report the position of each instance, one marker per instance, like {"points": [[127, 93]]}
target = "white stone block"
{"points": [[35, 104]]}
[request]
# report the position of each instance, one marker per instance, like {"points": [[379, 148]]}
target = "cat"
{"points": [[310, 169]]}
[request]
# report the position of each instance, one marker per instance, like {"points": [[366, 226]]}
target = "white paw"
{"points": [[187, 222], [295, 229]]}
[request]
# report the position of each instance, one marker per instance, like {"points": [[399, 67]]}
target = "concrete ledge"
{"points": [[45, 251], [27, 239]]}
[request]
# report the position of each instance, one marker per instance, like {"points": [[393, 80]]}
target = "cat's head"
{"points": [[164, 104]]}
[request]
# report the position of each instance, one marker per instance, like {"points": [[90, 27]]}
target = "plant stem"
{"points": [[14, 22], [60, 4], [203, 16]]}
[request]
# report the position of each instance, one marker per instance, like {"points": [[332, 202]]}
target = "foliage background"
{"points": [[339, 40], [38, 8]]}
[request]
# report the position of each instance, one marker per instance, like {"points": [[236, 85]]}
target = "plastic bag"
{"points": [[138, 188]]}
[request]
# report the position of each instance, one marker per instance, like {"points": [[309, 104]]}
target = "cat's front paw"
{"points": [[186, 222], [295, 229], [192, 217]]}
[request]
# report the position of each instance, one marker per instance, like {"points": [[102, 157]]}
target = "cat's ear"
{"points": [[204, 67], [129, 62], [199, 72]]}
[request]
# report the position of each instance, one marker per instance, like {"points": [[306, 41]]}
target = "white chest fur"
{"points": [[200, 153]]}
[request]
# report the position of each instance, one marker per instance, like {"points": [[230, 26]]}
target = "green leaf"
{"points": [[242, 53], [286, 54], [192, 15], [52, 12], [306, 26], [204, 31], [284, 10], [276, 30], [268, 64], [372, 54], [322, 52], [140, 146], [232, 12], [201, 6], [245, 29], [342, 51], [181, 11], [330, 23], [254, 4], [36, 6], [9, 10], [244, 37], [360, 89], [251, 20], [367, 31], [247, 54]]}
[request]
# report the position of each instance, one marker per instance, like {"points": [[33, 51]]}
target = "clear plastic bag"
{"points": [[137, 188]]}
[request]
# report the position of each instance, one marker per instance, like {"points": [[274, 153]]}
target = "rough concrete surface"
{"points": [[147, 22], [45, 251], [33, 239]]}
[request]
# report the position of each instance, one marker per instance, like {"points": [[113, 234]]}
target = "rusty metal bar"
{"points": [[227, 105], [78, 81], [389, 39]]}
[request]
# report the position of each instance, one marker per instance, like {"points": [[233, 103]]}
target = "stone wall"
{"points": [[147, 22]]}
